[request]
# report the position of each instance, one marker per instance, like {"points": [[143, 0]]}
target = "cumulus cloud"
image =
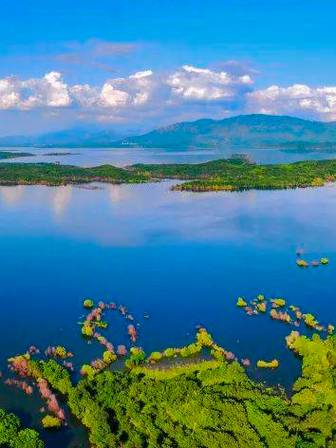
{"points": [[135, 90], [298, 99], [193, 83], [9, 93], [186, 93], [49, 91]]}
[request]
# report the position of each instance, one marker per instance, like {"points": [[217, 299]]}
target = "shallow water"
{"points": [[184, 258]]}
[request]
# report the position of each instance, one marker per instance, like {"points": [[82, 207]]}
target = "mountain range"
{"points": [[243, 132], [71, 138]]}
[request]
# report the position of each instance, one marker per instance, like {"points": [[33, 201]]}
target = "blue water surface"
{"points": [[181, 257]]}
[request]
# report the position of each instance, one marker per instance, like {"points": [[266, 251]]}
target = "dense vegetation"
{"points": [[54, 174], [225, 174], [239, 174], [13, 436], [196, 396], [244, 131], [205, 403], [14, 155]]}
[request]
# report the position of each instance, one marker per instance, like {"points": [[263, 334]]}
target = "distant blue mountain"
{"points": [[76, 137], [243, 132]]}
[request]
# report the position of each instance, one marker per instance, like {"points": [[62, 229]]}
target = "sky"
{"points": [[137, 65]]}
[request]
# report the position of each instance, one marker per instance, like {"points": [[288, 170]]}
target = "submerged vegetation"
{"points": [[198, 395], [205, 403], [268, 364], [226, 174], [302, 263], [291, 315]]}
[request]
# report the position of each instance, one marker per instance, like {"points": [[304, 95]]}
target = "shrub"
{"points": [[278, 303], [241, 302], [156, 356], [261, 307], [51, 422], [169, 352], [87, 370], [87, 331], [302, 263], [61, 352], [109, 357], [204, 338], [88, 303], [268, 364]]}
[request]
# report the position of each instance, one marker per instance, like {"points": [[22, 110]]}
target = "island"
{"points": [[14, 155], [235, 174]]}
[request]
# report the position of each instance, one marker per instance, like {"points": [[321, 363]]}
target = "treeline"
{"points": [[240, 174], [226, 174], [54, 174], [14, 155]]}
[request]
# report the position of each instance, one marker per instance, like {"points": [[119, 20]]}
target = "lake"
{"points": [[122, 157], [183, 258]]}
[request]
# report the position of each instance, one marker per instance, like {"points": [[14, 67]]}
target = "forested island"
{"points": [[225, 174], [14, 155]]}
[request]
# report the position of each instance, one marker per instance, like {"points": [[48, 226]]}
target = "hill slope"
{"points": [[243, 131], [71, 138]]}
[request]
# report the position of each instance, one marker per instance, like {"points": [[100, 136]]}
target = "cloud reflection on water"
{"points": [[133, 215]]}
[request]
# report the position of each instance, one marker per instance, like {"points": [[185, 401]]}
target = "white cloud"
{"points": [[84, 95], [185, 93], [141, 75], [298, 99], [193, 83], [139, 90], [9, 93], [112, 97], [49, 91]]}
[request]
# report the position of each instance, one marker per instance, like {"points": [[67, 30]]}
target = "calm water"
{"points": [[122, 157], [183, 258]]}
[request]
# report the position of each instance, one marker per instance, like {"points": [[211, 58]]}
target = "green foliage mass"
{"points": [[206, 403], [51, 422], [13, 436], [53, 174], [14, 154], [226, 174], [240, 174]]}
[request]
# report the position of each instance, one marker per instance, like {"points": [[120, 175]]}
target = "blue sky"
{"points": [[285, 48]]}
